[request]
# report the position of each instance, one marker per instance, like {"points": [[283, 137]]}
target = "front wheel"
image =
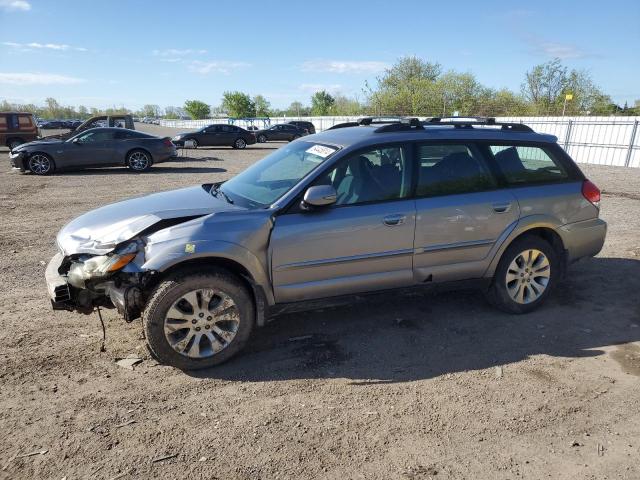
{"points": [[526, 274], [139, 161], [197, 321], [41, 164], [240, 143], [262, 138]]}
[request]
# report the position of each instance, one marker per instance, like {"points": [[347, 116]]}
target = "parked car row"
{"points": [[237, 137]]}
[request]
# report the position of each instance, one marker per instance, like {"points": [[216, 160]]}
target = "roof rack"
{"points": [[470, 122], [388, 124]]}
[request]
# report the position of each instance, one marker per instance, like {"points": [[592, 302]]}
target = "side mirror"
{"points": [[76, 141], [319, 196]]}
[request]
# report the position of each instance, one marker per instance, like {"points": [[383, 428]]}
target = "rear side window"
{"points": [[451, 169], [3, 122], [12, 121], [24, 121], [527, 164]]}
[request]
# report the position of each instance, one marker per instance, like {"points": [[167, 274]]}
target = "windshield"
{"points": [[267, 180]]}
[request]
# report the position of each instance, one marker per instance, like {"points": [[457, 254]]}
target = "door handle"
{"points": [[394, 220], [501, 207]]}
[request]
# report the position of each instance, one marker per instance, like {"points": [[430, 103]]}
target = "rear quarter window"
{"points": [[24, 121], [528, 164]]}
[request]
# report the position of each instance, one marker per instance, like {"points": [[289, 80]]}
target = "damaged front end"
{"points": [[82, 282]]}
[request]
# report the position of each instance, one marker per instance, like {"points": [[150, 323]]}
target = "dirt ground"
{"points": [[392, 387]]}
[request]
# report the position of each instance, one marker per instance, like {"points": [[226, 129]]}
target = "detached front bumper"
{"points": [[126, 297], [17, 160], [57, 286]]}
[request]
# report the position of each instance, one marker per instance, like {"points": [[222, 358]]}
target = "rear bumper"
{"points": [[584, 239]]}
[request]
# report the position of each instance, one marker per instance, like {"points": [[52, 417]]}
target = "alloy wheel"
{"points": [[528, 276], [139, 161], [39, 164], [201, 323], [240, 143]]}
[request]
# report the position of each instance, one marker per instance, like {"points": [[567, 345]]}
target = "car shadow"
{"points": [[155, 170], [185, 158], [231, 149], [405, 337]]}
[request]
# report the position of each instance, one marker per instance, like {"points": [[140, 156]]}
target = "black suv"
{"points": [[280, 132], [308, 126]]}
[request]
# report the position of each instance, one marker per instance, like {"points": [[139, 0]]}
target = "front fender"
{"points": [[163, 256]]}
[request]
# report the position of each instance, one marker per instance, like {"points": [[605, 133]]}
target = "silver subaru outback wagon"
{"points": [[364, 208]]}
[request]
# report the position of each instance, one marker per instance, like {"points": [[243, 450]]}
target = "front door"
{"points": [[461, 213], [92, 148], [363, 242]]}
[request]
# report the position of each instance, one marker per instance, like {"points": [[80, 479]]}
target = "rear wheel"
{"points": [[198, 321], [295, 137], [526, 274], [262, 138], [240, 143], [139, 161], [41, 164]]}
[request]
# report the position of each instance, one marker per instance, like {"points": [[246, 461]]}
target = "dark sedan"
{"points": [[217, 135], [97, 147], [281, 132]]}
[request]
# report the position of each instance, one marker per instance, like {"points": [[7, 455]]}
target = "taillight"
{"points": [[167, 142], [591, 192]]}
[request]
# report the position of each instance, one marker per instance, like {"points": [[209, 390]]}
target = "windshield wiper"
{"points": [[216, 190]]}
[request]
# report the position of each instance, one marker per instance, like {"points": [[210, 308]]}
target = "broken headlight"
{"points": [[101, 265]]}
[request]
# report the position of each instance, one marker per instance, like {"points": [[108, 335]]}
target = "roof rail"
{"points": [[404, 124], [393, 123], [462, 122]]}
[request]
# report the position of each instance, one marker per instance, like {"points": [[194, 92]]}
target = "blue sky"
{"points": [[106, 53]]}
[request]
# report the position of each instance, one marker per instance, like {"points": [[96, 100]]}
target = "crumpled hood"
{"points": [[99, 231], [43, 141]]}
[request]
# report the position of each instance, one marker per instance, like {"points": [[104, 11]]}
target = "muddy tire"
{"points": [[525, 276], [194, 321]]}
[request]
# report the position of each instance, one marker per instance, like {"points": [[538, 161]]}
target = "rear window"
{"points": [[527, 164]]}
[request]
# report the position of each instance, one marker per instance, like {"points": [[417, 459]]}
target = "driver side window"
{"points": [[375, 175]]}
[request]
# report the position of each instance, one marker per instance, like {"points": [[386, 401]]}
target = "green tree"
{"points": [[344, 105], [297, 109], [149, 110], [53, 109], [238, 104], [197, 109], [321, 103], [262, 106], [409, 87]]}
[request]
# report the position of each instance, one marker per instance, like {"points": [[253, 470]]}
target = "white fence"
{"points": [[600, 140]]}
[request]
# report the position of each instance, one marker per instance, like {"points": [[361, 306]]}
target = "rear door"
{"points": [[227, 135], [542, 181], [362, 243], [462, 212]]}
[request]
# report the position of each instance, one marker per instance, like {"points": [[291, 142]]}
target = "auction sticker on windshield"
{"points": [[321, 150]]}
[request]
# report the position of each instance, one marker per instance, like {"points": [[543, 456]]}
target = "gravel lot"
{"points": [[401, 387]]}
